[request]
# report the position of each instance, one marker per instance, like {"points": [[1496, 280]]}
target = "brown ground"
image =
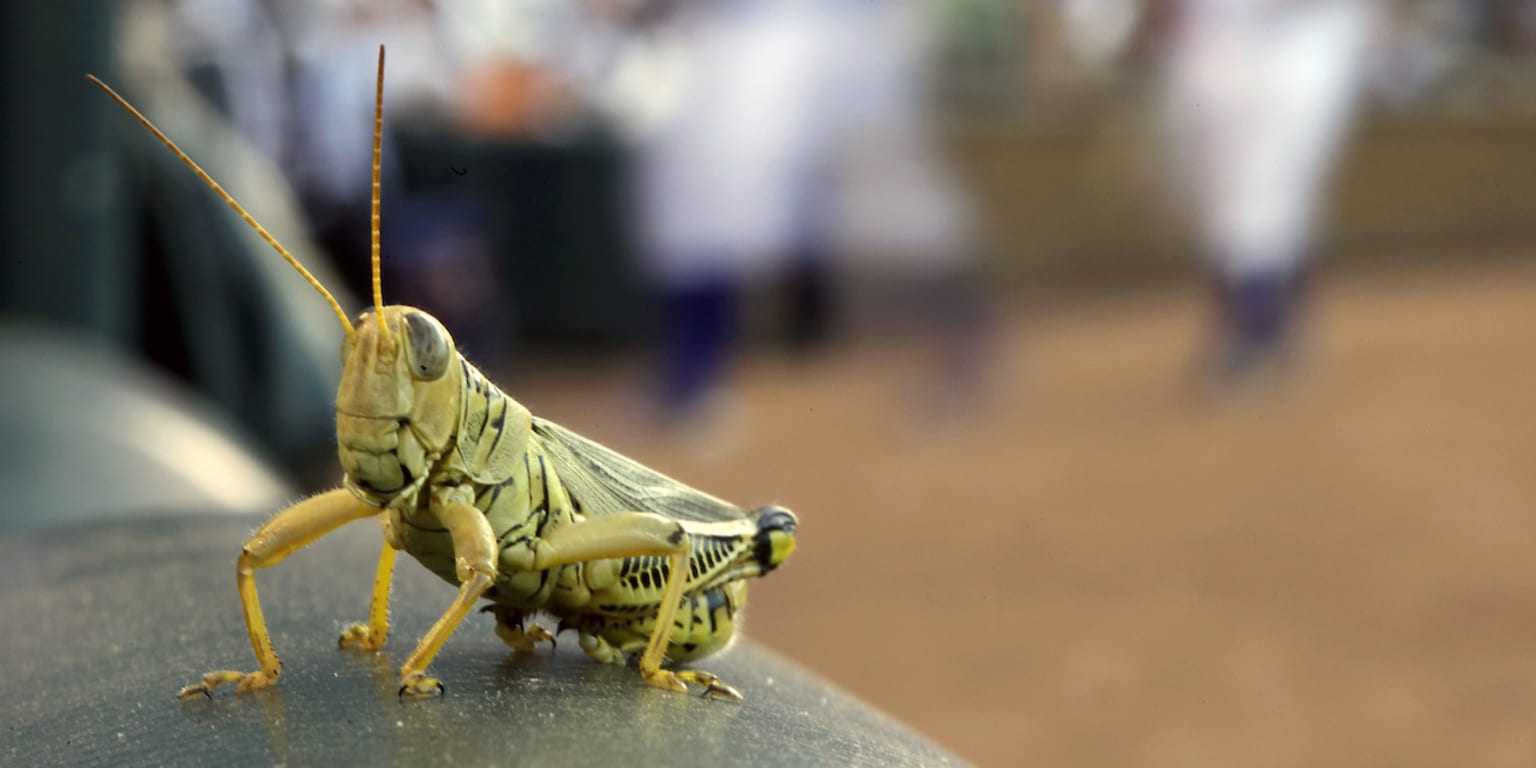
{"points": [[1100, 571]]}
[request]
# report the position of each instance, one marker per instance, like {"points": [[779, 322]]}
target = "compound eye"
{"points": [[429, 345]]}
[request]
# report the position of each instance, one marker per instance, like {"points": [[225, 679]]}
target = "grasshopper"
{"points": [[507, 506]]}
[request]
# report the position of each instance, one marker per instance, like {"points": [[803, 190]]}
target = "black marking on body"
{"points": [[487, 499], [492, 495], [712, 552], [501, 423], [544, 479], [625, 608], [762, 548], [716, 599], [528, 470]]}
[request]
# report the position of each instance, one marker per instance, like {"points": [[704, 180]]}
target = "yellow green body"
{"points": [[517, 510]]}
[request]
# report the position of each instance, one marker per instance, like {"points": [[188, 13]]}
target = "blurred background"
{"points": [[1152, 378]]}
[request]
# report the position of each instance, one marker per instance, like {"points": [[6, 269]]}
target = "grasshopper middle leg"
{"points": [[371, 636]]}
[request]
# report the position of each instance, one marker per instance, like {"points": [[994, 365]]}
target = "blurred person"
{"points": [[766, 142], [1097, 31], [1257, 98], [726, 179], [900, 219], [514, 65]]}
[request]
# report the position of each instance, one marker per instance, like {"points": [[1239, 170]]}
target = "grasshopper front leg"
{"points": [[287, 532], [637, 534]]}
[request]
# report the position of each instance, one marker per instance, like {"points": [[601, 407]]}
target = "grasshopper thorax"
{"points": [[398, 405]]}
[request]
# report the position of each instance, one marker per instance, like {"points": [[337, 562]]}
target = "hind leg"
{"points": [[632, 534], [708, 627], [708, 622], [705, 624]]}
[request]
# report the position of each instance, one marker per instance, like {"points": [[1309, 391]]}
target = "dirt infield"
{"points": [[1100, 570]]}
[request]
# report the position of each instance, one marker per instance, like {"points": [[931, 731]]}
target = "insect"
{"points": [[505, 505]]}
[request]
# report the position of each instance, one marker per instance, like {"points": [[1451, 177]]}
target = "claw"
{"points": [[525, 641], [538, 634], [360, 637], [190, 692], [721, 691], [244, 683], [419, 686], [666, 679], [713, 686]]}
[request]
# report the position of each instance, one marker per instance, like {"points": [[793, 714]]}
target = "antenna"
{"points": [[260, 230], [378, 142]]}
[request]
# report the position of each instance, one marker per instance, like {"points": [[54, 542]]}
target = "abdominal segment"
{"points": [[705, 624]]}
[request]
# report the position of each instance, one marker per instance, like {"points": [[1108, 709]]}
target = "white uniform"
{"points": [[723, 174], [792, 122], [1258, 96]]}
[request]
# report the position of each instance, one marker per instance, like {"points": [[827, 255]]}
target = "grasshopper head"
{"points": [[398, 405]]}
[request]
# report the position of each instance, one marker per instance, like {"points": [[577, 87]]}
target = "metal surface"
{"points": [[103, 623]]}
